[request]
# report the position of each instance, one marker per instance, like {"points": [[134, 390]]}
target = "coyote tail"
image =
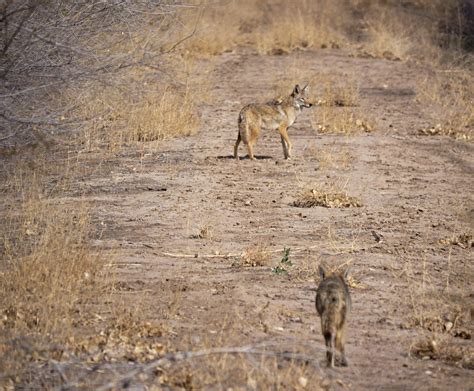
{"points": [[243, 128]]}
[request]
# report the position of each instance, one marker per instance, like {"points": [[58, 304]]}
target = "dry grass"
{"points": [[325, 89], [47, 261], [443, 348], [288, 27], [421, 30], [256, 255], [464, 240], [337, 96], [442, 318], [214, 28], [332, 157], [330, 197], [388, 36], [341, 120], [347, 242], [244, 372], [275, 364], [51, 274], [205, 232], [134, 116], [127, 337], [449, 98], [270, 27], [336, 89]]}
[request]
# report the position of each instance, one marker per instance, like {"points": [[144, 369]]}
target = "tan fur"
{"points": [[276, 114], [333, 303]]}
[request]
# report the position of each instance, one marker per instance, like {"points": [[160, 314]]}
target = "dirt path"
{"points": [[415, 190]]}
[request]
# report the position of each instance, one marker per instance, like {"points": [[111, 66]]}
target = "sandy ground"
{"points": [[415, 191]]}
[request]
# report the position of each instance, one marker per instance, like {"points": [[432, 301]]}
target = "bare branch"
{"points": [[182, 356]]}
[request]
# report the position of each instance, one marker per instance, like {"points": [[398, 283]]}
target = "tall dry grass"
{"points": [[124, 118], [430, 31], [269, 27], [449, 100], [49, 269], [440, 312]]}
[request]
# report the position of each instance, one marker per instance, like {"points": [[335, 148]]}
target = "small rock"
{"points": [[448, 326], [296, 319], [303, 381]]}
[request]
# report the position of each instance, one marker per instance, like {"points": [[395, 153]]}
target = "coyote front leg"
{"points": [[285, 141]]}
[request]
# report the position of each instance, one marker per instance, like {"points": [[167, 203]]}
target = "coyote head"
{"points": [[299, 96]]}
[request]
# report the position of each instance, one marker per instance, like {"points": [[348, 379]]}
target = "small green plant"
{"points": [[286, 257], [279, 270], [284, 262]]}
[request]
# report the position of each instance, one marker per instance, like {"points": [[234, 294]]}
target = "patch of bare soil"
{"points": [[180, 223]]}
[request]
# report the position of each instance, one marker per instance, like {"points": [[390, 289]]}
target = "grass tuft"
{"points": [[254, 256], [332, 198]]}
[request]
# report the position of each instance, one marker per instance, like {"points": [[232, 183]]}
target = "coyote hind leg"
{"points": [[250, 148], [340, 341], [329, 339], [236, 146]]}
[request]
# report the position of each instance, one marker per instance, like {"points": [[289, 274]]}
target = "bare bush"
{"points": [[53, 48]]}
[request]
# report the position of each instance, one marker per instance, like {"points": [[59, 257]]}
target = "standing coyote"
{"points": [[333, 304], [276, 114]]}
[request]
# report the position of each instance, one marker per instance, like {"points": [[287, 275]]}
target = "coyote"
{"points": [[333, 304], [276, 114]]}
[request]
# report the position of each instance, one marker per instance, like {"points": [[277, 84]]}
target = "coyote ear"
{"points": [[297, 89], [306, 88], [322, 272]]}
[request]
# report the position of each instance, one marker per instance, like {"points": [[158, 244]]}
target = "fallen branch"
{"points": [[197, 255], [7, 137], [237, 255], [182, 356]]}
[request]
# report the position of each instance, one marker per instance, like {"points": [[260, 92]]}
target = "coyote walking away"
{"points": [[333, 304], [276, 114]]}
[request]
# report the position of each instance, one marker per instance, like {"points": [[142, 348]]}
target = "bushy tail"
{"points": [[243, 127]]}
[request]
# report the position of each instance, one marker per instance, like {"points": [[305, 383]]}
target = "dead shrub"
{"points": [[464, 240], [444, 349], [327, 198], [254, 256], [205, 232]]}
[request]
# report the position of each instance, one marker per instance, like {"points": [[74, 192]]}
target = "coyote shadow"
{"points": [[231, 157]]}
